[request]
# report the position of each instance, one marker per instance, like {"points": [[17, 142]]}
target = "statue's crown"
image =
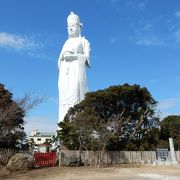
{"points": [[73, 19]]}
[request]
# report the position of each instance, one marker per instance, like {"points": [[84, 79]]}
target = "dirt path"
{"points": [[110, 173]]}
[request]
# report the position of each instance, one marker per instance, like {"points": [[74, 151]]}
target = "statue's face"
{"points": [[74, 30]]}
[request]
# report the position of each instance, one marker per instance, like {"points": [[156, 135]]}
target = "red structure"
{"points": [[45, 159]]}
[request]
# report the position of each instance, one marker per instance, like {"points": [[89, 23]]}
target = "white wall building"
{"points": [[39, 137]]}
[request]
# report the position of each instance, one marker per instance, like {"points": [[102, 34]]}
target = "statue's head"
{"points": [[74, 26]]}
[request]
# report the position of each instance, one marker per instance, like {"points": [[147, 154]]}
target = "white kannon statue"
{"points": [[72, 63]]}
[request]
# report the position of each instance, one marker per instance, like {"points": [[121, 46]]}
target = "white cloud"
{"points": [[167, 107], [17, 42], [114, 39], [145, 34], [148, 27], [177, 35], [114, 1], [136, 4], [166, 113], [177, 14], [150, 41], [43, 124], [142, 4], [30, 45], [40, 55], [150, 33], [153, 39], [168, 103], [154, 80]]}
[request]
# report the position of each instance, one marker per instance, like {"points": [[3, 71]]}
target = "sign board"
{"points": [[162, 153]]}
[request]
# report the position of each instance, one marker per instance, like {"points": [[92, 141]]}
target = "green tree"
{"points": [[150, 140], [12, 113], [11, 120], [109, 117], [170, 128]]}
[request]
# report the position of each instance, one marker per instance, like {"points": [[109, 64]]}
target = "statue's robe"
{"points": [[72, 82]]}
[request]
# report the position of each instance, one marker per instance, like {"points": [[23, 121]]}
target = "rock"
{"points": [[20, 162], [4, 171]]}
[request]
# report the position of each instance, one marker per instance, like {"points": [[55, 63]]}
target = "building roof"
{"points": [[39, 134]]}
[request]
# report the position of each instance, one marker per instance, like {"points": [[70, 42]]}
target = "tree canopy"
{"points": [[108, 118], [11, 119], [12, 113], [170, 128]]}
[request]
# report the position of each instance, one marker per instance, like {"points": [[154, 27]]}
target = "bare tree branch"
{"points": [[28, 102]]}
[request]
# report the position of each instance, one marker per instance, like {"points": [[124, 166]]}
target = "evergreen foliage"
{"points": [[11, 120], [170, 128], [12, 113], [116, 118]]}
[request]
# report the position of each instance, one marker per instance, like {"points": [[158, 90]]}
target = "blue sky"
{"points": [[132, 41]]}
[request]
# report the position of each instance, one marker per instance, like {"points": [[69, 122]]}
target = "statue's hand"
{"points": [[68, 56], [71, 57]]}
